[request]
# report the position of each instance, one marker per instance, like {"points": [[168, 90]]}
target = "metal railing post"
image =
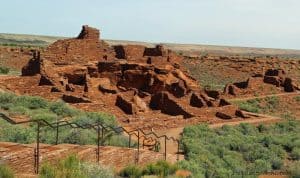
{"points": [[165, 148], [178, 148], [98, 144], [56, 140], [129, 141], [138, 148], [38, 148]]}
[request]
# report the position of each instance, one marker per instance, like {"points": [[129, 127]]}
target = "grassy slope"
{"points": [[36, 40]]}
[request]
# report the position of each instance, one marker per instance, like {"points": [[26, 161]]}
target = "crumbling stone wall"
{"points": [[83, 49], [134, 78]]}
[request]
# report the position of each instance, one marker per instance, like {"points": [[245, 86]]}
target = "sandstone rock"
{"points": [[223, 116], [178, 89], [223, 102], [230, 89], [55, 89], [140, 105], [288, 85], [106, 87], [274, 80], [32, 68], [125, 104], [162, 101], [275, 72], [89, 33], [70, 87], [240, 113], [157, 51], [197, 101], [46, 81], [75, 99], [212, 93]]}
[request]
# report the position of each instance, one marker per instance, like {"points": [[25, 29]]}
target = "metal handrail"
{"points": [[99, 127]]}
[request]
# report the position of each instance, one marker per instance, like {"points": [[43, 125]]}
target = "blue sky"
{"points": [[254, 23]]}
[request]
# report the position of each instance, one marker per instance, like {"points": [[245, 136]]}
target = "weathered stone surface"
{"points": [[214, 94], [241, 114], [106, 87], [134, 78], [274, 80], [223, 115], [288, 85], [276, 77], [32, 68], [275, 72], [223, 102], [125, 104], [75, 99], [162, 101], [230, 89], [70, 87], [197, 101], [89, 33]]}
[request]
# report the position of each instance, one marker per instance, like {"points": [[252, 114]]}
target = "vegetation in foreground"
{"points": [[37, 108], [72, 167], [159, 169], [6, 172], [242, 150]]}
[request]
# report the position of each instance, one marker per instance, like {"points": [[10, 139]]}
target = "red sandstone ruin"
{"points": [[275, 77], [137, 78]]}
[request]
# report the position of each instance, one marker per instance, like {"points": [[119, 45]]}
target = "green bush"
{"points": [[160, 168], [296, 154], [294, 170], [131, 171], [266, 105], [6, 172], [297, 98], [37, 108], [237, 150], [72, 167], [4, 70], [277, 163], [250, 106]]}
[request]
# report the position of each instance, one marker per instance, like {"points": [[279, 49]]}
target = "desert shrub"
{"points": [[239, 150], [37, 108], [31, 102], [4, 70], [297, 98], [287, 115], [61, 109], [296, 153], [250, 105], [131, 171], [6, 172], [119, 140], [294, 170], [266, 105], [277, 163], [73, 167], [96, 171], [260, 166], [16, 133], [160, 168], [272, 102]]}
